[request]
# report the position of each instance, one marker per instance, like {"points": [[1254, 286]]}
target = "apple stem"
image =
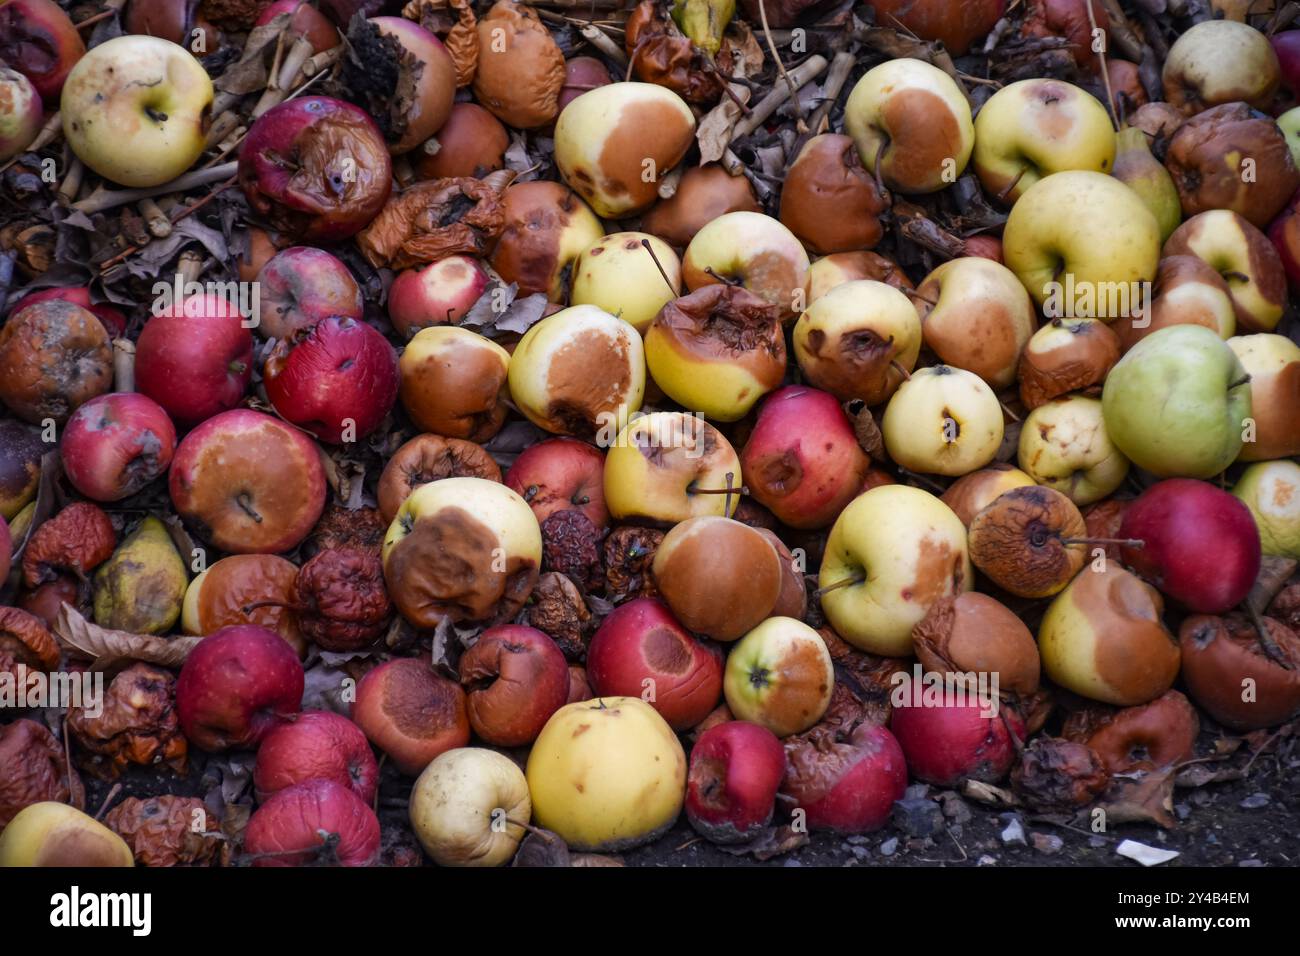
{"points": [[898, 367], [246, 504], [645, 244], [1002, 196], [1008, 412], [728, 491], [725, 280], [250, 608], [1266, 642], [913, 294], [855, 579], [117, 788], [725, 80], [1105, 73], [1123, 542]]}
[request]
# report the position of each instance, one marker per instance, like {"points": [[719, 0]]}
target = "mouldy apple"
{"points": [[735, 771], [54, 356], [469, 808], [434, 86], [410, 713], [453, 382], [1066, 445], [136, 110], [1229, 672], [1220, 61], [20, 113], [547, 226], [829, 200]]}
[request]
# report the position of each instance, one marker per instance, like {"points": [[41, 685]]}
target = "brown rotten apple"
{"points": [[755, 251], [411, 713], [1243, 680], [829, 201], [970, 494], [453, 382], [462, 549], [973, 633], [514, 677], [471, 143], [427, 458], [547, 226], [841, 267], [1066, 355], [1220, 61], [1187, 292], [54, 356], [703, 194], [1158, 734], [520, 67], [1030, 541]]}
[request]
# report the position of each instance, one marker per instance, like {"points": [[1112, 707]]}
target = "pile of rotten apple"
{"points": [[743, 488]]}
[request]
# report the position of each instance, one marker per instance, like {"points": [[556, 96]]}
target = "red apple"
{"points": [[956, 739], [113, 320], [1200, 544], [802, 460], [195, 358], [250, 483], [302, 285], [307, 21], [316, 745], [40, 41], [337, 381], [1287, 47], [434, 294], [316, 168], [514, 677], [640, 650], [411, 713], [116, 444], [581, 74], [235, 686], [736, 769], [561, 474], [846, 786], [304, 818]]}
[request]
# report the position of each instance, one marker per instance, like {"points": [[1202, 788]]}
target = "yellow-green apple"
{"points": [[469, 808], [841, 267], [1141, 172], [434, 294], [1065, 445], [829, 200], [1066, 355], [802, 460], [40, 41], [642, 650], [462, 549], [943, 421], [721, 578], [1271, 490], [249, 482], [1220, 61], [300, 286], [603, 152], [703, 194], [1178, 403], [136, 110], [20, 113], [116, 444], [858, 341], [547, 226], [1273, 364], [1032, 128], [736, 769], [454, 382], [620, 275], [55, 834], [1289, 124], [881, 116], [976, 315], [970, 494], [1187, 292], [607, 774], [561, 474], [1245, 259], [666, 467], [892, 553], [1087, 235], [1102, 638], [717, 350], [757, 252], [578, 372], [780, 675]]}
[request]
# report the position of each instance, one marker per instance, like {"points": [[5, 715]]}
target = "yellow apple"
{"points": [[755, 250], [1273, 364], [1064, 445], [469, 808], [618, 274], [453, 382], [55, 834], [943, 421]]}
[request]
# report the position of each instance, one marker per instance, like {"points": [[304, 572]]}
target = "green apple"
{"points": [[943, 421], [780, 675], [1064, 445], [136, 110], [1084, 245], [1033, 128], [891, 554], [1289, 124], [1271, 490], [1177, 403], [1136, 168]]}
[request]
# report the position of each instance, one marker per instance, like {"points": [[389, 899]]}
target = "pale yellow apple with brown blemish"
{"points": [[614, 143], [1102, 638], [840, 267], [136, 110], [469, 808], [976, 315], [1064, 445], [943, 421], [755, 250], [970, 494], [858, 341], [1220, 61], [547, 226], [1273, 364], [1032, 128], [461, 549], [618, 274], [1271, 490], [578, 372], [55, 834], [666, 467], [891, 554], [607, 774], [1187, 292], [1245, 259], [453, 382], [915, 118], [780, 675]]}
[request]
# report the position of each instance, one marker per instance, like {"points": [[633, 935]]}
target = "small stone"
{"points": [[1211, 839], [1097, 842], [858, 840], [861, 852], [1015, 832], [917, 791], [986, 860], [791, 861], [1183, 810], [954, 807], [889, 847], [917, 816], [1047, 843], [1251, 863], [1255, 801]]}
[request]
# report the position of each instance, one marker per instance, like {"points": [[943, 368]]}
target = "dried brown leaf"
{"points": [[82, 638]]}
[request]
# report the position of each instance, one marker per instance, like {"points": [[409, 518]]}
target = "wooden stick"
{"points": [[103, 199]]}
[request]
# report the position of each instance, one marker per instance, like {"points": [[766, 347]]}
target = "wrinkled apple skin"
{"points": [[299, 817], [316, 745], [953, 742], [735, 771], [846, 786], [116, 444], [301, 286]]}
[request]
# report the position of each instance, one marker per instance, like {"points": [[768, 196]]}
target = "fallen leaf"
{"points": [[106, 648], [1143, 797]]}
